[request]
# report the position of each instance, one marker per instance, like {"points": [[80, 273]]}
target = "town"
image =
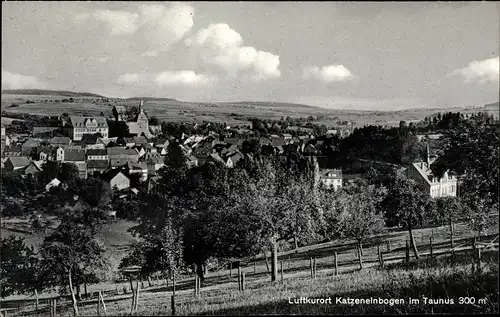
{"points": [[140, 149], [249, 158]]}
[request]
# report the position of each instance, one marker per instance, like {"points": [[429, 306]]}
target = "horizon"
{"points": [[392, 56]]}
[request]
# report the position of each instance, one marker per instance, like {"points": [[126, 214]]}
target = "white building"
{"points": [[87, 125]]}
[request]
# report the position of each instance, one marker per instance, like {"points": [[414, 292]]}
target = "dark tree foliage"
{"points": [[19, 267]]}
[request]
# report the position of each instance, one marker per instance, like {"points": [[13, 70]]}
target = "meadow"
{"points": [[440, 276], [234, 113]]}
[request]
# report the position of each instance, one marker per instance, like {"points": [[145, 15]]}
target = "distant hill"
{"points": [[494, 106], [49, 92], [268, 104], [151, 99]]}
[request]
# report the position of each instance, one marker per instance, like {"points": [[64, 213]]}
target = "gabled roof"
{"points": [[140, 140], [109, 175], [216, 157], [19, 161], [91, 152], [116, 151], [331, 173], [80, 121], [60, 140], [97, 164], [31, 143], [74, 156]]}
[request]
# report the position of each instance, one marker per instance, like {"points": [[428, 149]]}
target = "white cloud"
{"points": [[183, 78], [327, 74], [159, 25], [164, 25], [480, 71], [119, 22], [220, 45], [18, 81], [130, 78]]}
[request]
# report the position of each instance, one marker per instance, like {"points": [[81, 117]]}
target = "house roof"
{"points": [[19, 161], [331, 173], [116, 151], [109, 175], [80, 121], [154, 159], [31, 143], [129, 140], [74, 156], [39, 130], [216, 157], [136, 166], [98, 164], [60, 140], [91, 152], [140, 140]]}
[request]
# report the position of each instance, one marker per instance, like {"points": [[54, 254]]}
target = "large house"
{"points": [[138, 125], [331, 178], [87, 125], [436, 187]]}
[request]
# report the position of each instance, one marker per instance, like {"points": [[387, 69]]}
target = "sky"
{"points": [[342, 55]]}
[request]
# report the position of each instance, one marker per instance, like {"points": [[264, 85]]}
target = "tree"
{"points": [[71, 251], [251, 147], [471, 150], [360, 213], [154, 121], [19, 267], [175, 157], [159, 249], [282, 205], [96, 192], [406, 203]]}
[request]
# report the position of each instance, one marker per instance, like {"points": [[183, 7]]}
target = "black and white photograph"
{"points": [[164, 158]]}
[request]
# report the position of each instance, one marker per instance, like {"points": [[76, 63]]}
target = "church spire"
{"points": [[141, 104]]}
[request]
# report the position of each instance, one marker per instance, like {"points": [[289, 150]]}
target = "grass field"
{"points": [[219, 292], [235, 113]]}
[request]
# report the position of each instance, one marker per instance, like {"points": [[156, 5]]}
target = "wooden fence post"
{"points": [[101, 298], [36, 295], [137, 296], [336, 264], [382, 259], [388, 246], [473, 255], [172, 304], [360, 258], [55, 306], [478, 259], [311, 264], [407, 249], [149, 281], [239, 278], [315, 267], [195, 285], [379, 256], [281, 264], [231, 269], [243, 281]]}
